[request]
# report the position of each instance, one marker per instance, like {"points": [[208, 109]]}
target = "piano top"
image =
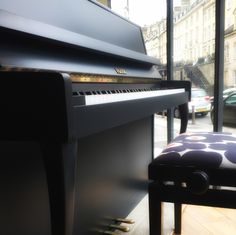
{"points": [[68, 35]]}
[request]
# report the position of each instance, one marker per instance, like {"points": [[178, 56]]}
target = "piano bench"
{"points": [[195, 168]]}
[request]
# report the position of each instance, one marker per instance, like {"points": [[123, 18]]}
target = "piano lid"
{"points": [[74, 23]]}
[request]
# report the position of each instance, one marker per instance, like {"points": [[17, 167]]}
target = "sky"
{"points": [[142, 12]]}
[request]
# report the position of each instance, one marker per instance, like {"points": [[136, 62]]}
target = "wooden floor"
{"points": [[197, 220]]}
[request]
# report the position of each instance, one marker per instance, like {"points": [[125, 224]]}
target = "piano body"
{"points": [[77, 98]]}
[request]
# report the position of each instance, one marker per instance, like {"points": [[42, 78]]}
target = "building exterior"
{"points": [[230, 43], [194, 37], [155, 40]]}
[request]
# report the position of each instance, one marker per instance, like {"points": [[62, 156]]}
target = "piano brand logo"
{"points": [[120, 71]]}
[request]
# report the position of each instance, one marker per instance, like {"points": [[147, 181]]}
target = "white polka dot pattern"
{"points": [[201, 149]]}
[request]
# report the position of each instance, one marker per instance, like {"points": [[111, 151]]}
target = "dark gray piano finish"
{"points": [[90, 162], [81, 17], [112, 172], [75, 24], [70, 165], [25, 208]]}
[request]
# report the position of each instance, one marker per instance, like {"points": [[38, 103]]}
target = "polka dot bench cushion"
{"points": [[213, 153]]}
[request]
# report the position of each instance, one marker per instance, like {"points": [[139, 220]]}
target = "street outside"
{"points": [[200, 124]]}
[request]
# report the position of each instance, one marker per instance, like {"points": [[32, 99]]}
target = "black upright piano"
{"points": [[78, 96]]}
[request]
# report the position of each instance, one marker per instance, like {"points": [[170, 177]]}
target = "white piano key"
{"points": [[118, 97]]}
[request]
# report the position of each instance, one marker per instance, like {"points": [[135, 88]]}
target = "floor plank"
{"points": [[196, 220]]}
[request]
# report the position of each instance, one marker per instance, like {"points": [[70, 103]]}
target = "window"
{"points": [[234, 74], [228, 4], [226, 53], [194, 41], [234, 51]]}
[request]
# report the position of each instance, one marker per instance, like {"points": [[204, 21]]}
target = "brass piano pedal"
{"points": [[105, 232], [116, 226], [121, 220]]}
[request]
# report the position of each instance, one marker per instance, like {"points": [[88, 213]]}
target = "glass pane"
{"points": [[194, 50], [229, 93]]}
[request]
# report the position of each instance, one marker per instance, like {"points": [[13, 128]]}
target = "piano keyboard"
{"points": [[95, 99]]}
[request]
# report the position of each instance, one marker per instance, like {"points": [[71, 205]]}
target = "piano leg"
{"points": [[183, 111], [60, 165]]}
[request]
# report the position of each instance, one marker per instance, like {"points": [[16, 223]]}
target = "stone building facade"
{"points": [[194, 38]]}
